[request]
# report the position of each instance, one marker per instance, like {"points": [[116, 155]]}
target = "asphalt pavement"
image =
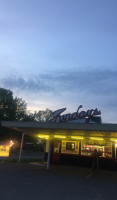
{"points": [[34, 182]]}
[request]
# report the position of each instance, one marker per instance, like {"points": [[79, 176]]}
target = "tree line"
{"points": [[15, 109]]}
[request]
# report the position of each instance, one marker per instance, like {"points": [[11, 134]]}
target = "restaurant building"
{"points": [[72, 138]]}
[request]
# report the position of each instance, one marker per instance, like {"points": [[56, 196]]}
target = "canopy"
{"points": [[68, 128]]}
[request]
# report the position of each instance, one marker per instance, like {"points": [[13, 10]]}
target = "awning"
{"points": [[68, 128]]}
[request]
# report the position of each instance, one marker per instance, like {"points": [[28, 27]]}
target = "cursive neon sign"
{"points": [[87, 115]]}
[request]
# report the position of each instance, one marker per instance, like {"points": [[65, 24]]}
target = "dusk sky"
{"points": [[60, 53]]}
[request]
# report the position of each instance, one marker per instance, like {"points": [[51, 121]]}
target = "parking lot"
{"points": [[25, 181], [32, 182]]}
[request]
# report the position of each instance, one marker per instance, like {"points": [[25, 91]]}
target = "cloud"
{"points": [[32, 84], [68, 89], [98, 82]]}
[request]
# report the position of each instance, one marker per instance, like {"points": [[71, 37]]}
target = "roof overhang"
{"points": [[68, 128]]}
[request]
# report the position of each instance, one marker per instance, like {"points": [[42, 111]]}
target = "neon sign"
{"points": [[87, 115]]}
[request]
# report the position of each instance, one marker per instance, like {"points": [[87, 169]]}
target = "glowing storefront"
{"points": [[73, 143]]}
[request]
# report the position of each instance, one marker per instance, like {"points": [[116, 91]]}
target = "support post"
{"points": [[20, 153], [49, 152]]}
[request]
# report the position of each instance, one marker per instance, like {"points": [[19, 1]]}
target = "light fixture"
{"points": [[60, 136], [44, 136], [114, 139], [77, 137], [96, 138], [11, 143]]}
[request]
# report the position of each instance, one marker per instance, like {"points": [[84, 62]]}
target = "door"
{"points": [[56, 152]]}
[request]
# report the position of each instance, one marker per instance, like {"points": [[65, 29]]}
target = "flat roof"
{"points": [[68, 128]]}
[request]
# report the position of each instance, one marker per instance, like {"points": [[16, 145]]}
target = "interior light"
{"points": [[96, 138], [60, 136], [114, 139], [77, 137], [44, 136]]}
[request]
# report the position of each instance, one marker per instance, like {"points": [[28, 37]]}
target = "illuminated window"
{"points": [[70, 145], [104, 149]]}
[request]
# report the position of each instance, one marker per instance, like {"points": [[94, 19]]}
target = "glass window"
{"points": [[104, 149], [70, 146]]}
